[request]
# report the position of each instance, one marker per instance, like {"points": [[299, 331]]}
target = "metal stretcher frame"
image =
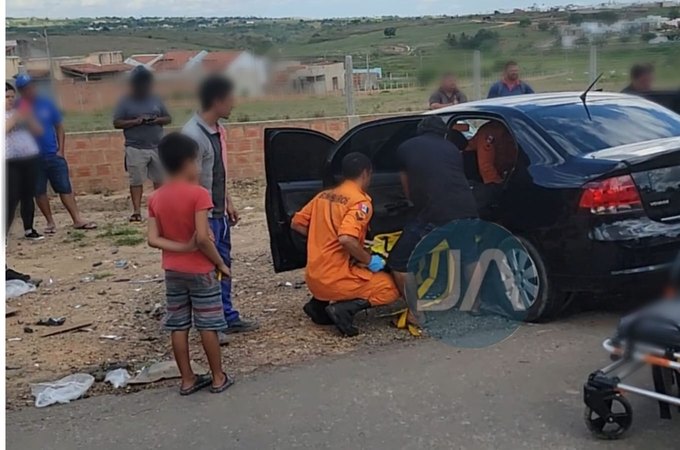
{"points": [[605, 386]]}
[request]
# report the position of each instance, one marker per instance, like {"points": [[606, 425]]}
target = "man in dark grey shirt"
{"points": [[141, 115], [216, 95], [448, 93]]}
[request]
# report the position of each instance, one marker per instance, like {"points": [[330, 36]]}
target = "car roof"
{"points": [[528, 102]]}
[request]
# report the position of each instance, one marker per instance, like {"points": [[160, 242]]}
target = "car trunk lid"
{"points": [[655, 168]]}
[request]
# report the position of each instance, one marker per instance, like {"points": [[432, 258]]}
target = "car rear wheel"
{"points": [[529, 290]]}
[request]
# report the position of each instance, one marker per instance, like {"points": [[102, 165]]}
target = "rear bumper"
{"points": [[626, 256]]}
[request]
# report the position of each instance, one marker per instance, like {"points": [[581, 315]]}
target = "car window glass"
{"points": [[379, 142], [612, 124]]}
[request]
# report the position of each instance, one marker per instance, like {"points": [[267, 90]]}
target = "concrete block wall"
{"points": [[96, 159]]}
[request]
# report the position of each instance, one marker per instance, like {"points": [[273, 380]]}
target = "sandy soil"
{"points": [[83, 281]]}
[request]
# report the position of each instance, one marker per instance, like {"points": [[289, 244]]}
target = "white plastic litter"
{"points": [[118, 378], [61, 391], [17, 288]]}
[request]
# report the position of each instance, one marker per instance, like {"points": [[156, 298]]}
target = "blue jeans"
{"points": [[53, 168], [220, 228]]}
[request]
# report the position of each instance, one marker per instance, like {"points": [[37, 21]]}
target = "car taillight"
{"points": [[611, 196]]}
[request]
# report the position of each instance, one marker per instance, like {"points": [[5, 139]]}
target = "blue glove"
{"points": [[377, 264]]}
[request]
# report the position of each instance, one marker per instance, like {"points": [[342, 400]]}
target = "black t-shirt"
{"points": [[438, 187]]}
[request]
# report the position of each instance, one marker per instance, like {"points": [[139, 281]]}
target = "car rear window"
{"points": [[612, 124]]}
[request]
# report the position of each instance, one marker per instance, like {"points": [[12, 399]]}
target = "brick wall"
{"points": [[96, 159]]}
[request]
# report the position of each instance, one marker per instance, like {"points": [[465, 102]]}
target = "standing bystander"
{"points": [[141, 115], [641, 79], [217, 101], [448, 93], [510, 83], [21, 155], [52, 165], [178, 225]]}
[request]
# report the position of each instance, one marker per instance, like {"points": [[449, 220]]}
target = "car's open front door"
{"points": [[294, 162]]}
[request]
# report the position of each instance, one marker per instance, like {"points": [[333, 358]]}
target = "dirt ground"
{"points": [[109, 277]]}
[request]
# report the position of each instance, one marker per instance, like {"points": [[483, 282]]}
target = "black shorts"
{"points": [[413, 233]]}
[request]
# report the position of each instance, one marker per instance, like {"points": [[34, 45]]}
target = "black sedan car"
{"points": [[591, 189]]}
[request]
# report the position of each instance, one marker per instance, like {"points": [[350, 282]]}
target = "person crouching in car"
{"points": [[343, 277], [433, 178]]}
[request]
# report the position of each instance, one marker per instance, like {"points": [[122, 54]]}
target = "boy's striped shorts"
{"points": [[197, 295]]}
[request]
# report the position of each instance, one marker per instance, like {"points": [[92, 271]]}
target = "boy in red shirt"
{"points": [[178, 225]]}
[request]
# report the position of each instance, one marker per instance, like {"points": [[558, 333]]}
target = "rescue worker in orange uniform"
{"points": [[496, 154], [343, 277]]}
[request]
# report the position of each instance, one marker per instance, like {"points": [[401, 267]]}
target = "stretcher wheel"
{"points": [[617, 422]]}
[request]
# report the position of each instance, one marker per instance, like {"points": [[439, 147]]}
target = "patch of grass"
{"points": [[75, 236], [130, 240], [102, 275], [113, 231]]}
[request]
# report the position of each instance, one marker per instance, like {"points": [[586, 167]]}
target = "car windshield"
{"points": [[612, 124]]}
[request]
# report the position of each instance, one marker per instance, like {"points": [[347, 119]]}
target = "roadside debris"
{"points": [[17, 288], [28, 330], [111, 337], [120, 263], [164, 370], [64, 390], [14, 339], [87, 279], [97, 264], [67, 329], [10, 311], [52, 321], [118, 378]]}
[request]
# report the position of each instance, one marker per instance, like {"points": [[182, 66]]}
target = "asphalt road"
{"points": [[524, 393]]}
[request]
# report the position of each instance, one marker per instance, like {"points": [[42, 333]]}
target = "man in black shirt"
{"points": [[433, 179]]}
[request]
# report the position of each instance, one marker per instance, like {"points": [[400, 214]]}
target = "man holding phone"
{"points": [[141, 115]]}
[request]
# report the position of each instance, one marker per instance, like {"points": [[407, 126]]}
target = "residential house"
{"points": [[367, 79], [320, 78], [177, 61], [146, 60], [249, 72]]}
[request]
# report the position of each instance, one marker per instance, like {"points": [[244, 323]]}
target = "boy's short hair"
{"points": [[174, 150], [639, 70], [212, 89], [354, 164], [509, 64], [9, 87]]}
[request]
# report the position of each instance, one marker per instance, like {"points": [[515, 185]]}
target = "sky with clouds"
{"points": [[260, 8]]}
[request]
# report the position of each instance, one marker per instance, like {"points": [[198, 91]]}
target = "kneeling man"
{"points": [[341, 274]]}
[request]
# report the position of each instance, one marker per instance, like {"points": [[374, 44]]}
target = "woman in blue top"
{"points": [[21, 155]]}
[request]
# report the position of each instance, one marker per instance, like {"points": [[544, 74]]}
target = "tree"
{"points": [[575, 19], [390, 32], [525, 22], [543, 26], [648, 36], [451, 40], [674, 13]]}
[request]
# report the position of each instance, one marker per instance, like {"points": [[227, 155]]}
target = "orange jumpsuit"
{"points": [[331, 275], [496, 151]]}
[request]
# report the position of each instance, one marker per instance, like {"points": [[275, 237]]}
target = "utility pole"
{"points": [[592, 70], [367, 73], [349, 86], [49, 55], [477, 74]]}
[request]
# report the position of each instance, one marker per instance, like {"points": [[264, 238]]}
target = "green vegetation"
{"points": [[409, 51], [123, 235], [74, 236]]}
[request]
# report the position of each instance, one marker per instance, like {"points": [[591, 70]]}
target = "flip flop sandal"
{"points": [[136, 218], [228, 381], [86, 226], [50, 230], [202, 381]]}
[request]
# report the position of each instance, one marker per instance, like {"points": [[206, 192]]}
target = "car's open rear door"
{"points": [[294, 162]]}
